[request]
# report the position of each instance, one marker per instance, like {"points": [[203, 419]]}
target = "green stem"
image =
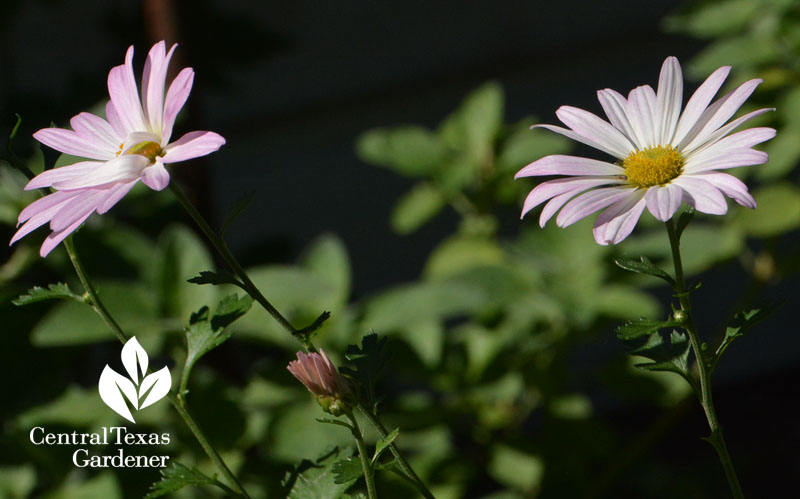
{"points": [[204, 443], [401, 461], [716, 438], [97, 304], [92, 297], [366, 464], [302, 335]]}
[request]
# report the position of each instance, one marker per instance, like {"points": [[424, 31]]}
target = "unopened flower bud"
{"points": [[317, 372]]}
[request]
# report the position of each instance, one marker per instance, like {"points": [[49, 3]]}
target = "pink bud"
{"points": [[317, 372]]}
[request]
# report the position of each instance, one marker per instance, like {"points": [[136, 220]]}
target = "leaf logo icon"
{"points": [[119, 392]]}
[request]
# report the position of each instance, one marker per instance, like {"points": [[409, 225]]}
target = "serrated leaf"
{"points": [[368, 361], [58, 291], [176, 477], [208, 331], [672, 355], [217, 278], [237, 209], [316, 479], [644, 266], [384, 443], [740, 324], [642, 327]]}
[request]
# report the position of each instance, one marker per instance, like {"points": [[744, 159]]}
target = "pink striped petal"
{"points": [[642, 112], [740, 140], [699, 102], [154, 80], [618, 221], [39, 213], [595, 130], [125, 95], [616, 108], [96, 130], [717, 115], [69, 142], [702, 195], [193, 145], [730, 186], [114, 120], [557, 164], [155, 176], [664, 201], [178, 92], [121, 169], [733, 125], [114, 195], [43, 204], [552, 188], [56, 237], [669, 99], [75, 209], [588, 203], [733, 158], [64, 173]]}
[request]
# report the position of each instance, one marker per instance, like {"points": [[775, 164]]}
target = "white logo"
{"points": [[152, 388]]}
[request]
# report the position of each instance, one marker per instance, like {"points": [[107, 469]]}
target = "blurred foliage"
{"points": [[488, 378]]}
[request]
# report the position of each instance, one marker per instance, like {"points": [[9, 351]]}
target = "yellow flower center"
{"points": [[653, 166], [147, 149]]}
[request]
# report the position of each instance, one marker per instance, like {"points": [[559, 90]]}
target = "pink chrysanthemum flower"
{"points": [[132, 144], [663, 156], [317, 372]]}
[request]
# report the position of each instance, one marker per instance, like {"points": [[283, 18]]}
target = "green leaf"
{"points": [[644, 266], [335, 422], [58, 291], [635, 329], [368, 361], [176, 477], [182, 255], [778, 211], [672, 355], [316, 479], [416, 207], [237, 209], [412, 151], [216, 278], [384, 444], [327, 257], [525, 146], [516, 469], [348, 470], [714, 18], [740, 324], [475, 124], [17, 482], [784, 154], [206, 333], [739, 51], [460, 253]]}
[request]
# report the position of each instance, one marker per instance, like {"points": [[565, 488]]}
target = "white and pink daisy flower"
{"points": [[131, 144], [662, 157]]}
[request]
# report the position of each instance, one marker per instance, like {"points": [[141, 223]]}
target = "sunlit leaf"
{"points": [[59, 291], [175, 477]]}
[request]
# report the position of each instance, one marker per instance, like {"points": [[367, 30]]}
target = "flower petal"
{"points": [[156, 176], [699, 102], [557, 187], [178, 92], [193, 145], [96, 130], [76, 208], [702, 195], [154, 80], [125, 95], [56, 237], [114, 195], [740, 140], [596, 130], [669, 99], [558, 164], [730, 186], [717, 115], [588, 203], [616, 107], [121, 169], [618, 221], [69, 142], [664, 201], [64, 173], [40, 212], [729, 158], [642, 112]]}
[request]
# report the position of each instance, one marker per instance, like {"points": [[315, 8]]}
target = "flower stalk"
{"points": [[716, 439], [366, 464]]}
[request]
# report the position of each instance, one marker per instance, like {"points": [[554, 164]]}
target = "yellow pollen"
{"points": [[147, 149], [120, 148], [653, 166]]}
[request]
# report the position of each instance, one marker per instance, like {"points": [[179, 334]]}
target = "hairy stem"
{"points": [[401, 461], [366, 464], [704, 372], [302, 335]]}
